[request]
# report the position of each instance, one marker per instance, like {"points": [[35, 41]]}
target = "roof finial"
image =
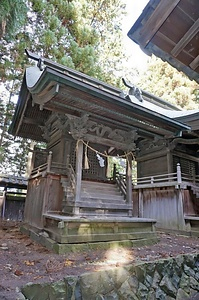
{"points": [[40, 64], [133, 90]]}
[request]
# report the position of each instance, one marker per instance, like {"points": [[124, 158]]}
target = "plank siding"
{"points": [[44, 194], [164, 205], [153, 166]]}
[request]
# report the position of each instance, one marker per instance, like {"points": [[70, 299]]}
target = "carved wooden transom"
{"points": [[88, 130]]}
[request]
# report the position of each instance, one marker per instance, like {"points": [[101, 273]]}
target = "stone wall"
{"points": [[174, 278]]}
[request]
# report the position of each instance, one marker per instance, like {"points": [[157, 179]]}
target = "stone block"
{"points": [[45, 291], [156, 280], [167, 286], [194, 284], [73, 291], [142, 292], [125, 292], [182, 295], [96, 283], [185, 283]]}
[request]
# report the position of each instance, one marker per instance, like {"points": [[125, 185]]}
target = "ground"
{"points": [[23, 261]]}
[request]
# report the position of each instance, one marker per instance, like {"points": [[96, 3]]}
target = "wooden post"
{"points": [[193, 176], [114, 172], [4, 203], [129, 183], [179, 175], [140, 204], [180, 210], [79, 157], [49, 161], [29, 165]]}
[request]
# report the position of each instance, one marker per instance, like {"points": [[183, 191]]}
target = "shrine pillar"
{"points": [[79, 157], [129, 183]]}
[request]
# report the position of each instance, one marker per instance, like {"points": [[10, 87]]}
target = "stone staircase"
{"points": [[97, 198], [68, 197], [195, 190], [192, 221]]}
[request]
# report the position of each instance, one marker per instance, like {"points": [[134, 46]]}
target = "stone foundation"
{"points": [[174, 278]]}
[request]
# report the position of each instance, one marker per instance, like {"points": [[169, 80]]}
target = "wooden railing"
{"points": [[120, 180], [171, 179], [193, 179], [58, 168], [39, 170], [71, 178], [157, 180], [49, 167]]}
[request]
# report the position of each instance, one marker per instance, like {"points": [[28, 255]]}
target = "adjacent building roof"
{"points": [[12, 181], [169, 29], [50, 87]]}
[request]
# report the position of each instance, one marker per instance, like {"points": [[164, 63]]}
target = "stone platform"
{"points": [[192, 225], [62, 233]]}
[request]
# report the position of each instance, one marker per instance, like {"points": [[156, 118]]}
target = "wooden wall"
{"points": [[14, 208], [163, 204], [191, 203], [151, 162], [44, 194], [152, 166]]}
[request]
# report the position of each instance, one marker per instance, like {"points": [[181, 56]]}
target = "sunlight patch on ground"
{"points": [[118, 256]]}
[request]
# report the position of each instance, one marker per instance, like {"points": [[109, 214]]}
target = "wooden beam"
{"points": [[129, 183], [45, 95], [32, 121], [79, 158], [195, 63], [158, 17], [193, 30], [108, 142]]}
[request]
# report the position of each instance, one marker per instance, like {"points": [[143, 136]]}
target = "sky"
{"points": [[137, 57]]}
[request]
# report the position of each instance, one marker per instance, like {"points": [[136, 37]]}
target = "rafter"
{"points": [[156, 20], [186, 38]]}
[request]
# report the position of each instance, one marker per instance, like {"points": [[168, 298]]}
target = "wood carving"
{"points": [[183, 141], [154, 145], [46, 132], [88, 130]]}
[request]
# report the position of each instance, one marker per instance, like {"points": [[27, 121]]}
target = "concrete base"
{"points": [[63, 234]]}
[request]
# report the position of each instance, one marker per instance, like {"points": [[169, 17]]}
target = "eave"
{"points": [[170, 30], [59, 89]]}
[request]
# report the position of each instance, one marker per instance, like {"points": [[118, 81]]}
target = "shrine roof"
{"points": [[170, 30], [52, 88], [12, 181]]}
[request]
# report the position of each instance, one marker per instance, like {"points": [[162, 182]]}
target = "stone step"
{"points": [[104, 200], [103, 196], [79, 230], [112, 190], [104, 213], [105, 205], [97, 200], [71, 239], [91, 186], [99, 185]]}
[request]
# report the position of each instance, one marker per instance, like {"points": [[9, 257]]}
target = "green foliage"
{"points": [[12, 16], [13, 153], [164, 81], [77, 34], [84, 35]]}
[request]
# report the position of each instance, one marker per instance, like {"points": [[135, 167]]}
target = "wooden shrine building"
{"points": [[170, 30], [83, 121]]}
